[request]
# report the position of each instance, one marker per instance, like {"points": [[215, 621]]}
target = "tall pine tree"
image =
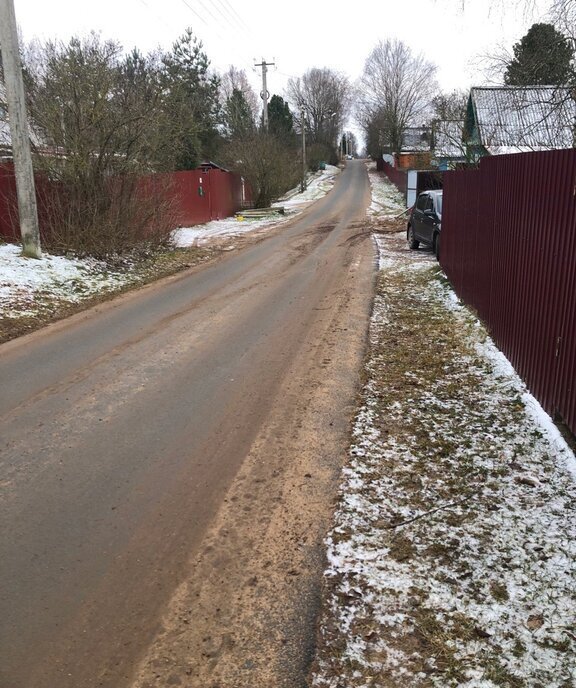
{"points": [[280, 120], [543, 57], [191, 99], [238, 116]]}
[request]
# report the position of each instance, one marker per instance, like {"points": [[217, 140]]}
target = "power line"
{"points": [[195, 13], [206, 9], [156, 15], [290, 76], [242, 22], [210, 25], [214, 28], [229, 14]]}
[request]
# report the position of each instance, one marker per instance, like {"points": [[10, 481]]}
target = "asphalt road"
{"points": [[124, 432]]}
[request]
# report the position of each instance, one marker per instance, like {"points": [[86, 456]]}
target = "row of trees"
{"points": [[102, 119]]}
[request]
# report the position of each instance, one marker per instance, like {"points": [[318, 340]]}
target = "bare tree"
{"points": [[325, 97], [394, 92], [450, 106], [563, 12], [267, 163]]}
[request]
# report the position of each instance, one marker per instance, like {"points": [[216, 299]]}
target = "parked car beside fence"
{"points": [[425, 221]]}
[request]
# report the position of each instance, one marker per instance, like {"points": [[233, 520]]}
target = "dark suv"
{"points": [[425, 221]]}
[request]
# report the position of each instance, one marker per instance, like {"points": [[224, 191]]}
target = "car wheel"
{"points": [[412, 242], [436, 246]]}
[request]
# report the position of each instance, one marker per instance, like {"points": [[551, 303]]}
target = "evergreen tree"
{"points": [[238, 116], [280, 119], [542, 57], [191, 99]]}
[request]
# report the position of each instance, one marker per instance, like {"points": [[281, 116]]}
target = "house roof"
{"points": [[448, 139], [416, 139], [209, 165], [511, 119]]}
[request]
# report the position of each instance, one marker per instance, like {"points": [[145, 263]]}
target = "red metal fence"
{"points": [[195, 196], [396, 176], [509, 249], [200, 196], [9, 229]]}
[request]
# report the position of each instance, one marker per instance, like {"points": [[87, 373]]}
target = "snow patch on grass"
{"points": [[387, 201], [37, 288], [451, 559], [23, 281]]}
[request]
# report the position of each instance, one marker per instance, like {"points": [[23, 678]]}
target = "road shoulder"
{"points": [[451, 557]]}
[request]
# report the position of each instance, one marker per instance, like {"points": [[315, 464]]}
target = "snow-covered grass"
{"points": [[38, 289], [452, 559], [387, 201], [25, 281]]}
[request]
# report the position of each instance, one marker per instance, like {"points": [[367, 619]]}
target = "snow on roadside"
{"points": [[24, 280], [29, 287], [452, 555], [294, 202], [387, 201]]}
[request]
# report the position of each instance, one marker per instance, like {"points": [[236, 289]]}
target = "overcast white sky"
{"points": [[298, 34]]}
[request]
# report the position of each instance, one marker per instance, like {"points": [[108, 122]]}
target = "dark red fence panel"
{"points": [[509, 249], [9, 227], [9, 221], [194, 197], [198, 196], [396, 176]]}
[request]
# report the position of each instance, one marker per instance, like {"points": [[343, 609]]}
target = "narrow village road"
{"points": [[169, 462]]}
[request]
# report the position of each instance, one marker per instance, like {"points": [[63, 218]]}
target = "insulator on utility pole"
{"points": [[265, 95], [18, 122]]}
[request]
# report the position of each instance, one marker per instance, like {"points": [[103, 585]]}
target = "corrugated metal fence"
{"points": [[509, 249], [396, 176], [195, 197]]}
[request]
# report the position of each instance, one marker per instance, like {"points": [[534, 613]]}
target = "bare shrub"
{"points": [[124, 214], [269, 166], [97, 115]]}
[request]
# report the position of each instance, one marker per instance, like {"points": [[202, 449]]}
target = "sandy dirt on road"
{"points": [[246, 614]]}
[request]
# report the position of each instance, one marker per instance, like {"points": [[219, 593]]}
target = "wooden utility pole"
{"points": [[264, 95], [15, 100]]}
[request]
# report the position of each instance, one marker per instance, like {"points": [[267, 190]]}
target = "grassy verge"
{"points": [[451, 560]]}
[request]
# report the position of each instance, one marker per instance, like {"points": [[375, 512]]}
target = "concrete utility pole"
{"points": [[264, 94], [303, 127], [19, 131]]}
